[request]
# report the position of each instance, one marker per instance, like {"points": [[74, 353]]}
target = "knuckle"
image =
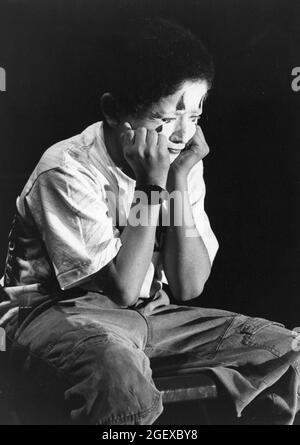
{"points": [[141, 131], [206, 148], [152, 133], [162, 141], [152, 137]]}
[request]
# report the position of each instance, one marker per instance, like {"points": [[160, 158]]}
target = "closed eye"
{"points": [[195, 119], [168, 120]]}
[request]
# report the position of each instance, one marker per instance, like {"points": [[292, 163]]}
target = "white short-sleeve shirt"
{"points": [[70, 211]]}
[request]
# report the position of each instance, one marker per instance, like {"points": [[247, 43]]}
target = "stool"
{"points": [[185, 398]]}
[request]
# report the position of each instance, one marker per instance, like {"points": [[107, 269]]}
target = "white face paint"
{"points": [[177, 115]]}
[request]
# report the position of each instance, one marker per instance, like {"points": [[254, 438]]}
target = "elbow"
{"points": [[120, 294], [128, 298], [116, 287], [195, 289], [127, 294], [123, 296], [189, 293]]}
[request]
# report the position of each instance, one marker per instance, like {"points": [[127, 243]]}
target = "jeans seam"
{"points": [[81, 345], [149, 331], [222, 337], [52, 345], [190, 353], [248, 342], [248, 329], [279, 357], [134, 416]]}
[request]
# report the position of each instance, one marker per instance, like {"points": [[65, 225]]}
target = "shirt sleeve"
{"points": [[73, 219], [197, 192]]}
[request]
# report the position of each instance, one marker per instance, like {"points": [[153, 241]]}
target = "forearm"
{"points": [[186, 261], [125, 275]]}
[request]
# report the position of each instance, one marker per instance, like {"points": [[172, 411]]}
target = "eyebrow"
{"points": [[157, 115]]}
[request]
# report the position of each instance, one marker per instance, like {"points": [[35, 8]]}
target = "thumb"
{"points": [[198, 144], [198, 139], [127, 126], [127, 132]]}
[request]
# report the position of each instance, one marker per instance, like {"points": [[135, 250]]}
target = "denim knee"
{"points": [[111, 384]]}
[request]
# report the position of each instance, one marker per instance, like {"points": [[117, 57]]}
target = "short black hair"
{"points": [[149, 59]]}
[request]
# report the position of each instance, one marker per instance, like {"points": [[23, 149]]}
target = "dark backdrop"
{"points": [[53, 54]]}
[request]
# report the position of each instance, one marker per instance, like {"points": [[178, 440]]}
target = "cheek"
{"points": [[168, 130], [191, 130]]}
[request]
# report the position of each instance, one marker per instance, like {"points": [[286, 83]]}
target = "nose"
{"points": [[180, 134]]}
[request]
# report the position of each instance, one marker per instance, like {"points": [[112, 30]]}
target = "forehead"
{"points": [[187, 98]]}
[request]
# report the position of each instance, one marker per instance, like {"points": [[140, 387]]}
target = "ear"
{"points": [[110, 109]]}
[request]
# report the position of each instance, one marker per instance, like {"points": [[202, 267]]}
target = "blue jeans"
{"points": [[87, 361]]}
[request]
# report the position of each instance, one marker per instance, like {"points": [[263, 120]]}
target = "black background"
{"points": [[52, 52]]}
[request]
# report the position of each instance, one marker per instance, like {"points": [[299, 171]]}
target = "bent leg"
{"points": [[260, 356], [253, 359], [80, 366]]}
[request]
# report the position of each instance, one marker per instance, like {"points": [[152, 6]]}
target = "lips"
{"points": [[175, 151]]}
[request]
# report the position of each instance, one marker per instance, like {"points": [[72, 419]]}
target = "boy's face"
{"points": [[175, 116]]}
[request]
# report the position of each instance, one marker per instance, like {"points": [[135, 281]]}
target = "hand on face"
{"points": [[147, 153], [174, 118], [196, 150]]}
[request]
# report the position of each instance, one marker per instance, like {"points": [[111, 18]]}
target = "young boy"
{"points": [[95, 237]]}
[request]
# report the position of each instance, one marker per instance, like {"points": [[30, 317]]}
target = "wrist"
{"points": [[150, 194], [144, 182], [177, 180]]}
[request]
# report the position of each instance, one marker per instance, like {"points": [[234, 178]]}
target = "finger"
{"points": [[140, 140], [151, 140], [128, 134], [127, 126], [141, 134], [127, 138], [199, 135], [199, 147], [162, 143], [198, 140], [201, 150]]}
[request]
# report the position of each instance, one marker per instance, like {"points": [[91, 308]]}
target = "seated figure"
{"points": [[109, 242]]}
